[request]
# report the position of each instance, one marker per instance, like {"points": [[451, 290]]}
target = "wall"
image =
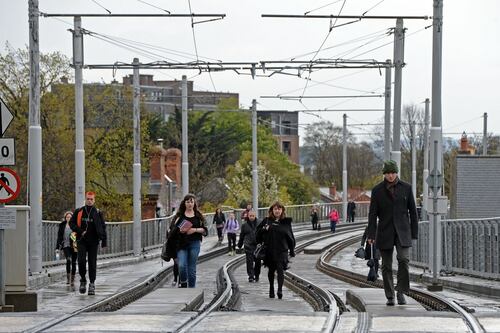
{"points": [[476, 185]]}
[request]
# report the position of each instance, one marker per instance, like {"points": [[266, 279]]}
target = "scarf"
{"points": [[391, 187]]}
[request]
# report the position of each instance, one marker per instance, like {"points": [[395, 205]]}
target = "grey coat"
{"points": [[397, 217]]}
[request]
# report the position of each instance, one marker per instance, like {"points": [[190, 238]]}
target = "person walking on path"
{"points": [[393, 205], [334, 219], [351, 211], [231, 228], [219, 221], [314, 218], [248, 239], [188, 231], [90, 227], [68, 246], [275, 231]]}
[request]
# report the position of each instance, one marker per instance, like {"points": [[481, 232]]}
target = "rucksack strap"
{"points": [[79, 218]]}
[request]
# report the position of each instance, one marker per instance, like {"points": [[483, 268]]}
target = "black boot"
{"points": [[271, 292]]}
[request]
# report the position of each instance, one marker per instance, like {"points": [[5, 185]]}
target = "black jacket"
{"points": [[60, 236], [278, 238], [397, 217], [219, 220], [94, 225], [248, 235]]}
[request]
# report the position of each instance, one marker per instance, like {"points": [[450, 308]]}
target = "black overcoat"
{"points": [[396, 216]]}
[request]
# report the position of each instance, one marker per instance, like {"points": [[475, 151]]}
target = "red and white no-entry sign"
{"points": [[10, 185]]}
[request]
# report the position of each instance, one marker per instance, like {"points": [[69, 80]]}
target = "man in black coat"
{"points": [[393, 204], [89, 225]]}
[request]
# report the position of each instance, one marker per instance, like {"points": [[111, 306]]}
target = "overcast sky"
{"points": [[471, 61]]}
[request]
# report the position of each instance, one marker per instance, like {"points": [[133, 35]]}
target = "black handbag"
{"points": [[372, 274], [260, 251], [360, 253], [165, 252]]}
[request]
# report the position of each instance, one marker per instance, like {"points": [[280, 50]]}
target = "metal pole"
{"points": [[436, 219], [79, 129], [387, 120], [399, 35], [485, 134], [255, 174], [35, 143], [344, 169], [185, 163], [413, 162], [436, 131], [2, 264], [425, 186], [137, 161]]}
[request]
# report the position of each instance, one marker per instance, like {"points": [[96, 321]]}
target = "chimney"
{"points": [[464, 143], [333, 190]]}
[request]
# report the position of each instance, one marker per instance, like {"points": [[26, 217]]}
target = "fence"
{"points": [[469, 247], [153, 231]]}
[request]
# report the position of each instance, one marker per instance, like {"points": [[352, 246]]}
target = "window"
{"points": [[286, 148], [286, 128]]}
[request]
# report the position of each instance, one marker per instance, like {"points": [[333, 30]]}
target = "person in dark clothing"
{"points": [[276, 233], [393, 205], [314, 218], [89, 225], [351, 211], [188, 229], [248, 239], [219, 221], [66, 244]]}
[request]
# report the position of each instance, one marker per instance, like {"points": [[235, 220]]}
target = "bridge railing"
{"points": [[153, 231], [469, 247]]}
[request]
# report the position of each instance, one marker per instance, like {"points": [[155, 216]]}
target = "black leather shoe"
{"points": [[401, 298], [390, 302], [280, 295]]}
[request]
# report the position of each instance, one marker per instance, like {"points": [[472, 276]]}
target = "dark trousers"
{"points": [[314, 224], [280, 270], [71, 257], [333, 225], [231, 242], [253, 265], [402, 255], [219, 234], [350, 217], [87, 249], [176, 271]]}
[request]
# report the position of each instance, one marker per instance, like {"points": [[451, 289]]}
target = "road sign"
{"points": [[7, 151], [5, 117], [435, 180], [7, 218], [10, 185]]}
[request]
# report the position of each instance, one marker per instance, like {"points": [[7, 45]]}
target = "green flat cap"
{"points": [[390, 166]]}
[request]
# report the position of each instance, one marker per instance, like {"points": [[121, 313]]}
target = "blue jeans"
{"points": [[187, 258]]}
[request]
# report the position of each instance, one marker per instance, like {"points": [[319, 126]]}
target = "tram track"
{"points": [[430, 301]]}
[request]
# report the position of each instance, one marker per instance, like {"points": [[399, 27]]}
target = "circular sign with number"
{"points": [[10, 185]]}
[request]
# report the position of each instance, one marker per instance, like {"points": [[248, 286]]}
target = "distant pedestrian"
{"points": [[334, 219], [393, 205], [68, 246], [90, 227], [188, 230], [248, 239], [351, 211], [276, 233], [314, 218], [231, 228], [219, 221], [244, 214]]}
